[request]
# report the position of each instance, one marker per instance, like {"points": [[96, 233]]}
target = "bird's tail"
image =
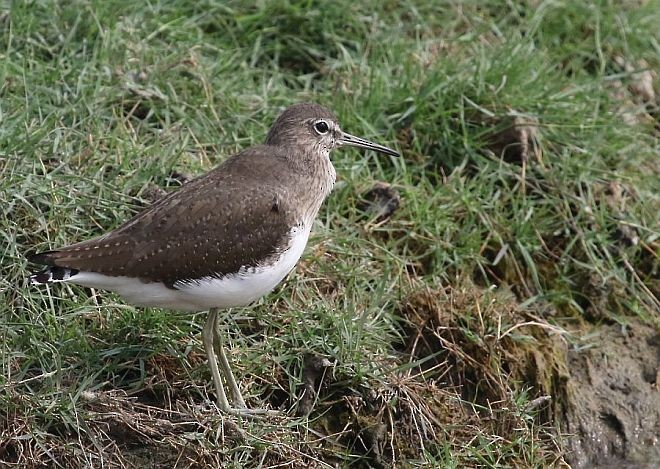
{"points": [[53, 274]]}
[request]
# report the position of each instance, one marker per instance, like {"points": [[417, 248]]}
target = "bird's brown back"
{"points": [[238, 215]]}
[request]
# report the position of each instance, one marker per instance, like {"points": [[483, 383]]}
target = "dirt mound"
{"points": [[604, 393], [612, 399]]}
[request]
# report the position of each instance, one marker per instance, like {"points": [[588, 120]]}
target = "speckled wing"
{"points": [[212, 226]]}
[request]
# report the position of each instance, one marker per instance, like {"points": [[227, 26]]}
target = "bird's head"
{"points": [[316, 129]]}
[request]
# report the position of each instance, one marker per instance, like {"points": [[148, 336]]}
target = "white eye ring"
{"points": [[321, 127]]}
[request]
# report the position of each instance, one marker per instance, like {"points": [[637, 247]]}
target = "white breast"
{"points": [[239, 289]]}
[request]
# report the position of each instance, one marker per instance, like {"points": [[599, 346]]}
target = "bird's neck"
{"points": [[324, 172], [316, 178]]}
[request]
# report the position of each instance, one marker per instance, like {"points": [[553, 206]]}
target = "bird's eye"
{"points": [[321, 127]]}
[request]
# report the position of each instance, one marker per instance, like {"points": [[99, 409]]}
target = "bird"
{"points": [[222, 240]]}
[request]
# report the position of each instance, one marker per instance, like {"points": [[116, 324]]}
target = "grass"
{"points": [[104, 103]]}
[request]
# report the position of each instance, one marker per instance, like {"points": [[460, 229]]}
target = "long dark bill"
{"points": [[353, 141]]}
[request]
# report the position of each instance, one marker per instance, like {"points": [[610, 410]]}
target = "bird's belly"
{"points": [[231, 290]]}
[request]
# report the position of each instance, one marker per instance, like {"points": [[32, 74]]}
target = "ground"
{"points": [[490, 299]]}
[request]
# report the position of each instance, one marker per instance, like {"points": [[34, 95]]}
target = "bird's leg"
{"points": [[207, 338], [226, 368], [240, 409]]}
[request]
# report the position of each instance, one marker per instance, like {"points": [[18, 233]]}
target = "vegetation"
{"points": [[436, 336]]}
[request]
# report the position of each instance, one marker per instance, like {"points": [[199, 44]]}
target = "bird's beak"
{"points": [[351, 140]]}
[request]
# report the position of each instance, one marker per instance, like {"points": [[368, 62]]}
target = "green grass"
{"points": [[100, 102]]}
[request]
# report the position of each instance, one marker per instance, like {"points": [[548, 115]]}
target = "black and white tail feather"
{"points": [[53, 274]]}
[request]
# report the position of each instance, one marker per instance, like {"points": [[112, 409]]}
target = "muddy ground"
{"points": [[601, 380], [612, 408]]}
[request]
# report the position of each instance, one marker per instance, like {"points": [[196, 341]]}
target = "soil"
{"points": [[381, 201], [612, 402]]}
